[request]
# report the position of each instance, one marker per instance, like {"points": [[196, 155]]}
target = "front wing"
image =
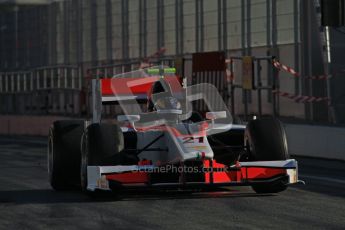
{"points": [[214, 174]]}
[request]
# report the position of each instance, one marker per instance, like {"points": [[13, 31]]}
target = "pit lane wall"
{"points": [[316, 141], [27, 125]]}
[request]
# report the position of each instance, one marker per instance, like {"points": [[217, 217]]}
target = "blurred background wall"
{"points": [[47, 48]]}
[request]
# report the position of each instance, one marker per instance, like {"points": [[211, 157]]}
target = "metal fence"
{"points": [[48, 90]]}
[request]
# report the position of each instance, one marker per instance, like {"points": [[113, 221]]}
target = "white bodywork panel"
{"points": [[177, 148], [94, 176], [291, 165], [180, 148], [144, 138]]}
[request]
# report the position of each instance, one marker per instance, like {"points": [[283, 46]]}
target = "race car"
{"points": [[167, 145]]}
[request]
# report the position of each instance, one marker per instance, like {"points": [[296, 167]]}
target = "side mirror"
{"points": [[215, 115], [129, 118], [169, 111]]}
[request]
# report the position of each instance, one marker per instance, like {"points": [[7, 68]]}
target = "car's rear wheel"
{"points": [[266, 141], [64, 154]]}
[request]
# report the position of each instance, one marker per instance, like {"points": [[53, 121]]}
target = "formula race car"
{"points": [[167, 142]]}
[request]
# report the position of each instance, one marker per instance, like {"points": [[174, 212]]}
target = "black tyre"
{"points": [[219, 141], [266, 141], [238, 120], [101, 145], [64, 154]]}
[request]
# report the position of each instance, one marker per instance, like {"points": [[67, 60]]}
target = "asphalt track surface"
{"points": [[28, 202]]}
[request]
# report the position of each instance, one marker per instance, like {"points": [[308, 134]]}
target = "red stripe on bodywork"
{"points": [[134, 86], [252, 173], [120, 86], [245, 173], [219, 177], [129, 177]]}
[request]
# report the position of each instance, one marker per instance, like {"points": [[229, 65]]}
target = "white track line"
{"points": [[327, 179]]}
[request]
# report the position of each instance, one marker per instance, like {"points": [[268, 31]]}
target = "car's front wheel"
{"points": [[265, 140], [100, 145]]}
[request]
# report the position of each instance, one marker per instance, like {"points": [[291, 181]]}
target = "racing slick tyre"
{"points": [[238, 120], [266, 141], [64, 154], [103, 144]]}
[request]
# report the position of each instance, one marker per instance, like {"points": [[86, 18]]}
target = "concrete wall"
{"points": [[91, 17], [285, 19], [152, 32], [169, 26], [101, 43], [27, 125], [116, 29], [59, 32], [189, 26], [234, 24], [316, 141], [210, 25], [86, 31], [134, 34], [25, 2], [259, 22]]}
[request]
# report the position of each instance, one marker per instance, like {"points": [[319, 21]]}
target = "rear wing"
{"points": [[119, 89], [114, 90]]}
